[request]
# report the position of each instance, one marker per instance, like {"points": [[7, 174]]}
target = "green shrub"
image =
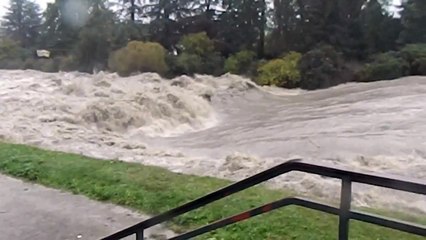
{"points": [[321, 67], [29, 63], [67, 63], [139, 56], [10, 49], [214, 64], [12, 64], [11, 54], [420, 65], [41, 64], [385, 66], [189, 63], [48, 65], [240, 63], [197, 55], [415, 55], [197, 43], [281, 72]]}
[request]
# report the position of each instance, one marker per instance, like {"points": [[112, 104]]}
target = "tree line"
{"points": [[289, 43]]}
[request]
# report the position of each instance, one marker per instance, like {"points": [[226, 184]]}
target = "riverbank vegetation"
{"points": [[148, 189], [309, 43]]}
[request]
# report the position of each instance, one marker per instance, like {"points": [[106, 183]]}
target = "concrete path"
{"points": [[29, 211]]}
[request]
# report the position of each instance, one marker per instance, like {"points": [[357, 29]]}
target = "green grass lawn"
{"points": [[153, 190]]}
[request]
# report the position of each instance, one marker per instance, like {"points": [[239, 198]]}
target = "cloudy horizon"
{"points": [[5, 3], [43, 5]]}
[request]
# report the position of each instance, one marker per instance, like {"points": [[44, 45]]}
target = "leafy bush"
{"points": [[415, 55], [189, 63], [48, 65], [197, 55], [41, 64], [139, 56], [29, 63], [12, 64], [67, 63], [11, 54], [240, 63], [384, 66], [214, 64], [322, 67], [10, 49], [411, 60], [420, 65], [282, 72], [197, 43]]}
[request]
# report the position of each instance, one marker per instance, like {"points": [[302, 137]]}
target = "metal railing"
{"points": [[344, 212]]}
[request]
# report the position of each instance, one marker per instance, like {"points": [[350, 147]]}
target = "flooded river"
{"points": [[226, 127]]}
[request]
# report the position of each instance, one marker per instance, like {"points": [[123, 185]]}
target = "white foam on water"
{"points": [[226, 126]]}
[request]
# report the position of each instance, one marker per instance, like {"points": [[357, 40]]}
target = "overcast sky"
{"points": [[4, 3], [43, 4]]}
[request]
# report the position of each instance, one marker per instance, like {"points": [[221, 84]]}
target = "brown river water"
{"points": [[226, 127]]}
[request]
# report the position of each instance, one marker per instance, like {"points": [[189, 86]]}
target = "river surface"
{"points": [[227, 126]]}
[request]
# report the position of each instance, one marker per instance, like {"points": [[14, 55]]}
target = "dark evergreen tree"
{"points": [[413, 18], [22, 22]]}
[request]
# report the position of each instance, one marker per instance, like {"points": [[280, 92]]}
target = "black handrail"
{"points": [[344, 212]]}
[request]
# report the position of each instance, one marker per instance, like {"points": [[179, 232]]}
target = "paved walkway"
{"points": [[29, 211]]}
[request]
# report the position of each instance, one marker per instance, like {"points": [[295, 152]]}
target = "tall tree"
{"points": [[49, 29], [413, 18], [129, 8], [132, 9], [201, 17], [380, 29], [63, 19], [164, 15], [286, 24], [22, 22], [261, 27], [248, 19], [95, 38], [334, 22]]}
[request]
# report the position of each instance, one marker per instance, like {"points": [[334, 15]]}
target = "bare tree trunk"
{"points": [[133, 10], [208, 5], [262, 26]]}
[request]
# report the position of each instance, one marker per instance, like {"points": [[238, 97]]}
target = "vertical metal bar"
{"points": [[139, 235], [345, 207]]}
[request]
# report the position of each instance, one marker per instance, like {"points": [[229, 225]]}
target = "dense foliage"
{"points": [[197, 55], [139, 57], [321, 67], [217, 36], [240, 63], [410, 60], [282, 72], [388, 65], [415, 55]]}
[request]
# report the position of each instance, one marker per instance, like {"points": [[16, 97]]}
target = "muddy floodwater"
{"points": [[227, 126]]}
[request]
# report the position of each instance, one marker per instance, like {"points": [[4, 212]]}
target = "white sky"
{"points": [[4, 3], [43, 4]]}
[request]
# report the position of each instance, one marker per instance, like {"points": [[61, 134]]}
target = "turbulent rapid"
{"points": [[226, 127]]}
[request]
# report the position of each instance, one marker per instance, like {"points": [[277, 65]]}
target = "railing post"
{"points": [[139, 235], [345, 207]]}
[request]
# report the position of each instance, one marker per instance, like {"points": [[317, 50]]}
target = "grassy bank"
{"points": [[153, 190]]}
